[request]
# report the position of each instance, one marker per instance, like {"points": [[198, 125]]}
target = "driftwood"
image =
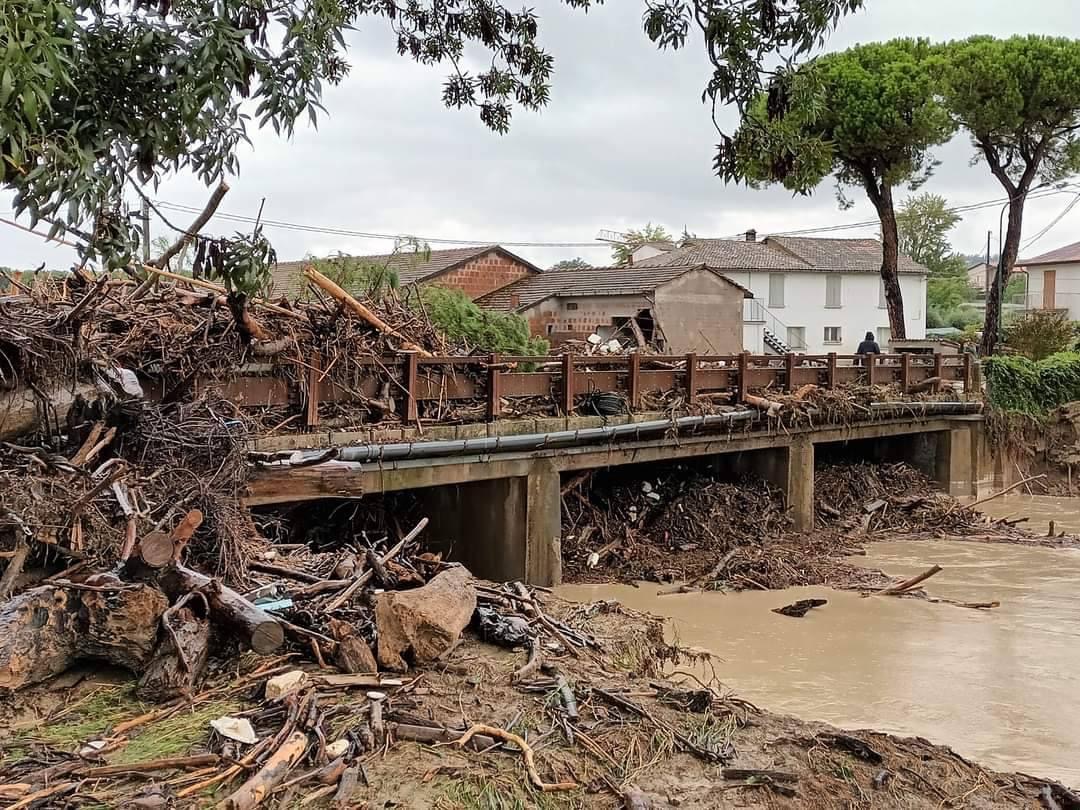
{"points": [[526, 751], [432, 735], [908, 584], [362, 579], [770, 406], [45, 630], [359, 310], [182, 653], [255, 628], [800, 608], [256, 789], [929, 384]]}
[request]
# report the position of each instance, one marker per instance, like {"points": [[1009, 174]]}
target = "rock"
{"points": [[425, 622], [285, 684], [235, 728], [338, 748]]}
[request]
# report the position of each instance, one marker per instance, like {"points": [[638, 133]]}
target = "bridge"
{"points": [[493, 489]]}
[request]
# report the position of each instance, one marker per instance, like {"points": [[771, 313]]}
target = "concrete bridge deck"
{"points": [[500, 512]]}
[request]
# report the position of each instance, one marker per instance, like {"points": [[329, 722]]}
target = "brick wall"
{"points": [[483, 274]]}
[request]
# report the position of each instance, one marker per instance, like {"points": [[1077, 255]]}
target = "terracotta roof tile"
{"points": [[410, 267], [634, 280], [784, 253], [1061, 255]]}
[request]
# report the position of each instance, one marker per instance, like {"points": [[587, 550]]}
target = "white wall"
{"points": [[1066, 288], [859, 312]]}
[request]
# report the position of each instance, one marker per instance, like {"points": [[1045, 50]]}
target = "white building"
{"points": [[810, 295], [1054, 280]]}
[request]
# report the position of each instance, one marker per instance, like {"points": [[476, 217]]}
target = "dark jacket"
{"points": [[868, 347]]}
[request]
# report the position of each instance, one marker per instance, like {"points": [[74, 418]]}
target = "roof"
{"points": [[591, 281], [785, 254], [410, 267], [1062, 255]]}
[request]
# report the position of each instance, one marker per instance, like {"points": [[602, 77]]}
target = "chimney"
{"points": [[751, 235]]}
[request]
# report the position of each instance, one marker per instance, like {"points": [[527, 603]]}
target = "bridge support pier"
{"points": [[963, 463], [790, 469], [503, 528]]}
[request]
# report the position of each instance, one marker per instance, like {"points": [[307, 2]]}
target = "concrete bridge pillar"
{"points": [[791, 470], [504, 528], [963, 459]]}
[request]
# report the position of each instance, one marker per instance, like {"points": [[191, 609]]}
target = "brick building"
{"points": [[675, 309], [476, 271]]}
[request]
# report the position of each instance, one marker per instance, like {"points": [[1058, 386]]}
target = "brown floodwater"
{"points": [[999, 686]]}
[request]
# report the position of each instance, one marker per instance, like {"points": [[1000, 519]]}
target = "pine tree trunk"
{"points": [[1010, 251], [890, 258]]}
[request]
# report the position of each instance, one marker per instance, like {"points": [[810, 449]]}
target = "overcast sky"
{"points": [[625, 140]]}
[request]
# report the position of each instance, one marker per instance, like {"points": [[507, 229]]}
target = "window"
{"points": [[776, 290], [551, 329], [796, 337], [832, 334], [833, 288], [882, 304], [884, 335], [571, 305]]}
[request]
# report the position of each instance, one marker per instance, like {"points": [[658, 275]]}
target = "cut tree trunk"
{"points": [[255, 628], [261, 785], [44, 630]]}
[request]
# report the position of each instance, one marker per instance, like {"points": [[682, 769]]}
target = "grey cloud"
{"points": [[625, 140]]}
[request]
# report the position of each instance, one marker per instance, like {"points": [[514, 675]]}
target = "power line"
{"points": [[348, 232], [334, 231], [1065, 211]]}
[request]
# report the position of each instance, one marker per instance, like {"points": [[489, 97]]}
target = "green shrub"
{"points": [[1017, 383], [483, 330], [1040, 333]]}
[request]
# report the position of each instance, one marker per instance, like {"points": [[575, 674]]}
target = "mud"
{"points": [[1001, 686]]}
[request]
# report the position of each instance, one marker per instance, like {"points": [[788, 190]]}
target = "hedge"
{"points": [[1016, 383]]}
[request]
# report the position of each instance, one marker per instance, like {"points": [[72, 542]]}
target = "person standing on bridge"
{"points": [[869, 345]]}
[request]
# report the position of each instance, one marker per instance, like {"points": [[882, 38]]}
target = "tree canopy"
{"points": [[923, 224], [1019, 99], [577, 263], [869, 116], [622, 252], [96, 98]]}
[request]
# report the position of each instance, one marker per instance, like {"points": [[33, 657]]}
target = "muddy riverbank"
{"points": [[1000, 686], [637, 742]]}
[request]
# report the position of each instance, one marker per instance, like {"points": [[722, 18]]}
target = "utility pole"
{"points": [[146, 230]]}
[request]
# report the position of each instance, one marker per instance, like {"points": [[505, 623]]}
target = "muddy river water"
{"points": [[1000, 686]]}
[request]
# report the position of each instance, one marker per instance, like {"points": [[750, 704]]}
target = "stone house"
{"points": [[475, 271], [675, 309]]}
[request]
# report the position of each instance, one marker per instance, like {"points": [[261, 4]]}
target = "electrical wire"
{"points": [[336, 231], [1065, 211]]}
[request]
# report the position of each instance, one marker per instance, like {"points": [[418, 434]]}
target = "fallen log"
{"points": [[770, 406], [254, 627], [359, 310], [929, 384], [800, 608], [252, 793], [45, 630]]}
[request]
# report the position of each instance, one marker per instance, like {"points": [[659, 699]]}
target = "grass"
{"points": [[92, 715], [493, 793], [712, 733]]}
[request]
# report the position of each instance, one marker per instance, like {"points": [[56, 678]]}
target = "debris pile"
{"points": [[586, 717], [696, 527], [664, 527]]}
